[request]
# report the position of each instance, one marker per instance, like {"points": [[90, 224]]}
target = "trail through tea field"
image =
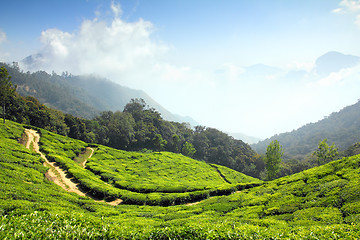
{"points": [[55, 173]]}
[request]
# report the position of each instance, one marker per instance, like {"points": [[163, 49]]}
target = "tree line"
{"points": [[141, 128], [137, 128]]}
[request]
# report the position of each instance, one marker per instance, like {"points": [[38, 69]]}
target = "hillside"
{"points": [[82, 96], [319, 203], [137, 128], [341, 128]]}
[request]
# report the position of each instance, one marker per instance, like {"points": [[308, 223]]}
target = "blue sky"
{"points": [[192, 56]]}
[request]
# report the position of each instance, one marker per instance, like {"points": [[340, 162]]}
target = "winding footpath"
{"points": [[55, 173], [84, 162]]}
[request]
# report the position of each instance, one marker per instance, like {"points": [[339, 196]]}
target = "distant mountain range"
{"points": [[87, 95], [334, 62], [245, 138], [341, 128], [83, 96]]}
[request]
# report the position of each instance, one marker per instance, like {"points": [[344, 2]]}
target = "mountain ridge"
{"points": [[83, 96], [341, 128]]}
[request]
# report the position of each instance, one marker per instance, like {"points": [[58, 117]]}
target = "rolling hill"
{"points": [[341, 128], [319, 203]]}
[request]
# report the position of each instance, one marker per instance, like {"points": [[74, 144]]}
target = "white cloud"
{"points": [[3, 55], [357, 21], [116, 49], [306, 66], [350, 6], [233, 71], [335, 78], [338, 10], [116, 8], [2, 36], [126, 52]]}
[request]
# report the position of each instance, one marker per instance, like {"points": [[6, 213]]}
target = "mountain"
{"points": [[341, 128], [245, 138], [334, 62], [83, 96], [107, 95]]}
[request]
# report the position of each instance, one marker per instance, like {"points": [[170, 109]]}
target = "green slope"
{"points": [[159, 172], [320, 203], [160, 178]]}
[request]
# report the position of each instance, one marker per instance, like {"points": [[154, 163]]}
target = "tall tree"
{"points": [[159, 142], [7, 90], [273, 156], [188, 149], [324, 153]]}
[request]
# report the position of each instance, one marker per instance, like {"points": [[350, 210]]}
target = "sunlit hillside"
{"points": [[319, 203]]}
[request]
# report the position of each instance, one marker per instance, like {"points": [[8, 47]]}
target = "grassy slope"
{"points": [[142, 178], [318, 203], [159, 172]]}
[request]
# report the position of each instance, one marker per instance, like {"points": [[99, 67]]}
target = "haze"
{"points": [[239, 66]]}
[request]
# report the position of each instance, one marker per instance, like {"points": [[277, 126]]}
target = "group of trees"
{"points": [[141, 128], [6, 90], [274, 152], [137, 128]]}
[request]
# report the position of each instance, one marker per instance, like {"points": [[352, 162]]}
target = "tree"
{"points": [[273, 156], [7, 90], [188, 149], [176, 142], [324, 153], [159, 142], [121, 130]]}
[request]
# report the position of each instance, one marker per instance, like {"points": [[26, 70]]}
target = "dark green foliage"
{"points": [[159, 142], [324, 153], [273, 156], [214, 146], [352, 150], [7, 90], [188, 149]]}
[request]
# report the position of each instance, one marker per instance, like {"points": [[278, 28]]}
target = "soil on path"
{"points": [[55, 173], [83, 164]]}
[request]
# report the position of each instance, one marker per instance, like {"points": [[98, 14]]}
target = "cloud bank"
{"points": [[257, 100], [101, 47], [2, 36], [350, 6]]}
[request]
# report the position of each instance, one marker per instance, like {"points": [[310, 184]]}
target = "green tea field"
{"points": [[162, 195]]}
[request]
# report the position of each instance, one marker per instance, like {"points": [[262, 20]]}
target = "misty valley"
{"points": [[79, 161]]}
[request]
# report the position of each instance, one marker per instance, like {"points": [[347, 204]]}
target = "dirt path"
{"points": [[92, 152], [55, 173], [191, 204]]}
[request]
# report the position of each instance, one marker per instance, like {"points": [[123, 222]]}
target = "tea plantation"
{"points": [[167, 196]]}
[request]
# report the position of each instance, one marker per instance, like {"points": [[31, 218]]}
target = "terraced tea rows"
{"points": [[160, 178], [320, 203]]}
